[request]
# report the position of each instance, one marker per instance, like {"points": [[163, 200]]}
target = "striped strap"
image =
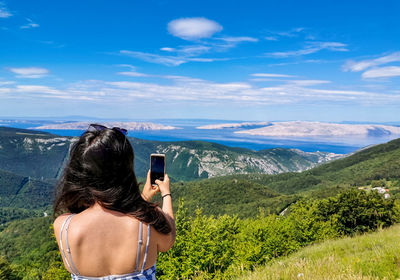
{"points": [[61, 243], [75, 270], [140, 242], [147, 247]]}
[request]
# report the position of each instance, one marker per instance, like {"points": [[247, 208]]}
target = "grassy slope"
{"points": [[370, 256]]}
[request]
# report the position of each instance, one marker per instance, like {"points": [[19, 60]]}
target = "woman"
{"points": [[111, 230]]}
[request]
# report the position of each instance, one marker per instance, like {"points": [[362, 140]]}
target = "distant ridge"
{"points": [[127, 125], [310, 129], [36, 154]]}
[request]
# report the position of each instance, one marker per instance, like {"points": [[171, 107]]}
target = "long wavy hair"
{"points": [[101, 169]]}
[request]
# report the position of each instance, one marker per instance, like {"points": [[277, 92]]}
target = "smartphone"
{"points": [[157, 167]]}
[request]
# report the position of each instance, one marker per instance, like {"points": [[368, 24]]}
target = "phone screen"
{"points": [[157, 168]]}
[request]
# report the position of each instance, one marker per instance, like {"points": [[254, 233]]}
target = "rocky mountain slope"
{"points": [[42, 155]]}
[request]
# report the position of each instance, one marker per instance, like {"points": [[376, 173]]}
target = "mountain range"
{"points": [[31, 162], [42, 155]]}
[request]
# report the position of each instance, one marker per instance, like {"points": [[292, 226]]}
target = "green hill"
{"points": [[370, 256], [231, 195], [22, 197], [32, 153], [246, 194], [359, 169], [24, 192]]}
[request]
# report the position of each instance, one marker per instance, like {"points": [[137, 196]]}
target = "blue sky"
{"points": [[239, 60]]}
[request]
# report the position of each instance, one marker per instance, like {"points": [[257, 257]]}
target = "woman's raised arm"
{"points": [[164, 188]]}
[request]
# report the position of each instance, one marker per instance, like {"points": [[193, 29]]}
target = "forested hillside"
{"points": [[213, 247], [32, 153], [24, 192], [188, 160], [247, 194], [42, 155]]}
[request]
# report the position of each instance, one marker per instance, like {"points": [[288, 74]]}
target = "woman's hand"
{"points": [[164, 185], [148, 190]]}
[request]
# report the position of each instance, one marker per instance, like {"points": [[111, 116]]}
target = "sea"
{"points": [[187, 131]]}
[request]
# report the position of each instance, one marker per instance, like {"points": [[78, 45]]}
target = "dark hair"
{"points": [[100, 169]]}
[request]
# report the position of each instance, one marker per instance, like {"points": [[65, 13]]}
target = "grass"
{"points": [[370, 256]]}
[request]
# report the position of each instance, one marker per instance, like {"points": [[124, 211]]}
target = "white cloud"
{"points": [[266, 77], [3, 83], [233, 86], [132, 72], [168, 60], [188, 50], [213, 45], [286, 89], [191, 89], [275, 36], [155, 58], [271, 75], [183, 89], [312, 47], [271, 38], [166, 49], [355, 66], [342, 92], [238, 39], [305, 83], [30, 24], [4, 12], [193, 50], [193, 28], [37, 89], [222, 44], [201, 59], [291, 33], [182, 79], [42, 91], [5, 90], [382, 72], [52, 43], [30, 72]]}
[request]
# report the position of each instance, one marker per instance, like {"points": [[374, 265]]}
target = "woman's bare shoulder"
{"points": [[57, 224]]}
